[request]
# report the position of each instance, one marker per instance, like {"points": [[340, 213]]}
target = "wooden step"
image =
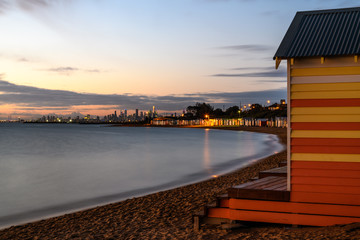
{"points": [[279, 217], [223, 200], [280, 171], [268, 188], [283, 164]]}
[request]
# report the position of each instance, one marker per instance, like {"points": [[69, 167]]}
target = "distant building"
{"points": [[277, 106]]}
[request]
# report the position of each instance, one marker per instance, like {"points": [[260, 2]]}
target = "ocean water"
{"points": [[51, 169]]}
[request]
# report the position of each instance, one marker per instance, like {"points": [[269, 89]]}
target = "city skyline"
{"points": [[93, 57]]}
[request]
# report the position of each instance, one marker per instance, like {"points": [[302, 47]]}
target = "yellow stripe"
{"points": [[324, 134], [299, 72], [326, 110], [325, 87], [325, 157], [325, 95], [325, 118]]}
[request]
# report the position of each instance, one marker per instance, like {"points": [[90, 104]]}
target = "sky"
{"points": [[98, 56]]}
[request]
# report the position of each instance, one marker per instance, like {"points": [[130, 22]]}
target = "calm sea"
{"points": [[51, 169]]}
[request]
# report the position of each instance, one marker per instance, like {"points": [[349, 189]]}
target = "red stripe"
{"points": [[325, 126], [326, 165], [325, 141], [355, 182], [333, 173], [307, 208], [288, 218], [349, 102], [325, 188], [341, 198], [325, 149]]}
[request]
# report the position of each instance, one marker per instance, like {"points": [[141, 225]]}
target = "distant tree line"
{"points": [[204, 110]]}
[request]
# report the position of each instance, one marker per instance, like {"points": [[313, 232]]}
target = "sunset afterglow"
{"points": [[94, 57]]}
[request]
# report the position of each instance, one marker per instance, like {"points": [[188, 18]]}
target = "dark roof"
{"points": [[333, 32]]}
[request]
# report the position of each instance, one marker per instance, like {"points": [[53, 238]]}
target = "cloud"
{"points": [[69, 70], [4, 6], [214, 1], [62, 69], [267, 72], [336, 4], [27, 5], [248, 47], [43, 108], [93, 70], [253, 74], [33, 97], [270, 13], [272, 81], [253, 68], [30, 5], [23, 59]]}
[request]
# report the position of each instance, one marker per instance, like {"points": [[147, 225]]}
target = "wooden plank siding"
{"points": [[291, 207], [280, 217], [326, 141], [323, 151], [325, 134], [325, 71], [326, 165], [349, 102], [325, 126]]}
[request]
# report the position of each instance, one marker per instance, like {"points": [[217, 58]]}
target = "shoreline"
{"points": [[237, 161], [168, 214]]}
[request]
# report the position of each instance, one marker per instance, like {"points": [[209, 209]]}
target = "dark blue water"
{"points": [[50, 169]]}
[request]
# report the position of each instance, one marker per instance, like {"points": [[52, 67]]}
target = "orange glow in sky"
{"points": [[135, 54]]}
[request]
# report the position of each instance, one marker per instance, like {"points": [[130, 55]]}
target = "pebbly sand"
{"points": [[168, 214]]}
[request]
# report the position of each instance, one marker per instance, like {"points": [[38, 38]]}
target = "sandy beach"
{"points": [[168, 214]]}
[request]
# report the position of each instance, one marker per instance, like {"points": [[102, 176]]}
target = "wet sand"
{"points": [[168, 214]]}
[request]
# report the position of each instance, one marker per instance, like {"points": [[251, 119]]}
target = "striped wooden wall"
{"points": [[325, 131]]}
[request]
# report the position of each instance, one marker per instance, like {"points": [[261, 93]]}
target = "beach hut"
{"points": [[322, 184], [323, 77]]}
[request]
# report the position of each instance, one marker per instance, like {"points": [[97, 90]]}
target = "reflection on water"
{"points": [[51, 169], [206, 158]]}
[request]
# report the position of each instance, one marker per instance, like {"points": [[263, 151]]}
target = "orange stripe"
{"points": [[325, 126], [289, 218], [350, 102], [301, 172], [325, 149], [326, 141], [352, 199], [325, 189], [326, 181], [326, 165], [276, 206], [224, 203], [218, 212]]}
